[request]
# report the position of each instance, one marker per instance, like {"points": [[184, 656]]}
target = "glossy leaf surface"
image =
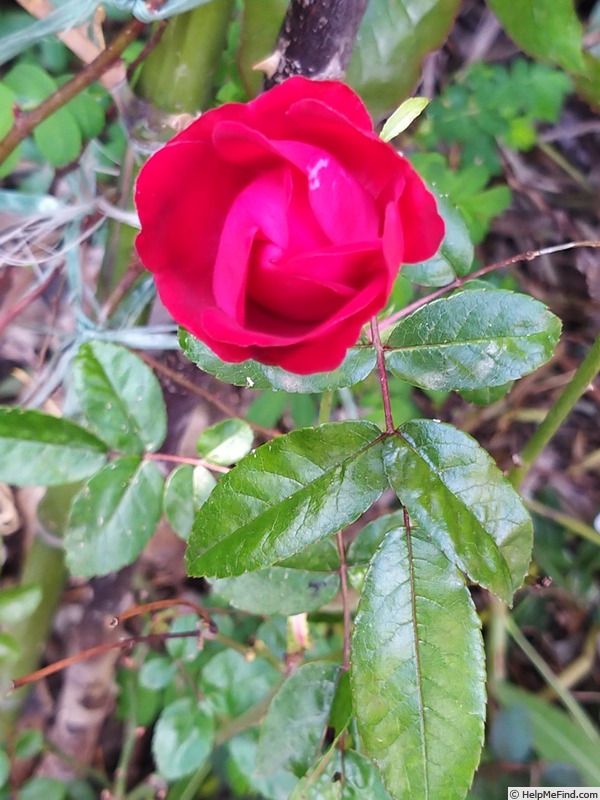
{"points": [[226, 442], [121, 397], [547, 29], [455, 255], [472, 339], [287, 494], [186, 489], [40, 450], [406, 113], [393, 39], [113, 516], [359, 362], [292, 730], [418, 672], [278, 590], [457, 494]]}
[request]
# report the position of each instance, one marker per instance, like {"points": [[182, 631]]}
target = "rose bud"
{"points": [[275, 229]]}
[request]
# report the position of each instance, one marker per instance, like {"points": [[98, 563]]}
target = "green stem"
{"points": [[496, 641], [578, 385], [325, 407], [45, 567], [179, 74], [129, 738], [553, 680]]}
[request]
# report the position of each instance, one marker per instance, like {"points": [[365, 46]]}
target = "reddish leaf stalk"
{"points": [[530, 255], [195, 462], [383, 379], [158, 605], [122, 644]]}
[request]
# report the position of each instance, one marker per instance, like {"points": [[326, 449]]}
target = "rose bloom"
{"points": [[275, 229]]}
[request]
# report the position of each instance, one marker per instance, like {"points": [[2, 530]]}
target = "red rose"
{"points": [[275, 229]]}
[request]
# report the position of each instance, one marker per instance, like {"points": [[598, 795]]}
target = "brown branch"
{"points": [[315, 40], [26, 121]]}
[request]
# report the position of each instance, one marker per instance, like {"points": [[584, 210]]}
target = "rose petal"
{"points": [[422, 225], [270, 109], [260, 207]]}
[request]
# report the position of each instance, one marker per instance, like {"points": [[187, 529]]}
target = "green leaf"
{"points": [[406, 113], [363, 548], [292, 731], [242, 779], [418, 672], [393, 39], [88, 110], [346, 775], [113, 516], [4, 768], [322, 556], [59, 138], [120, 397], [157, 673], [48, 788], [303, 410], [232, 684], [359, 362], [455, 255], [18, 602], [29, 743], [472, 340], [186, 489], [184, 648], [457, 494], [487, 396], [547, 29], [555, 736], [267, 408], [41, 450], [226, 442], [289, 493], [9, 648], [341, 707], [278, 590], [30, 83], [183, 739]]}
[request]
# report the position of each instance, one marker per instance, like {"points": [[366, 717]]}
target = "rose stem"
{"points": [[383, 379], [316, 40]]}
